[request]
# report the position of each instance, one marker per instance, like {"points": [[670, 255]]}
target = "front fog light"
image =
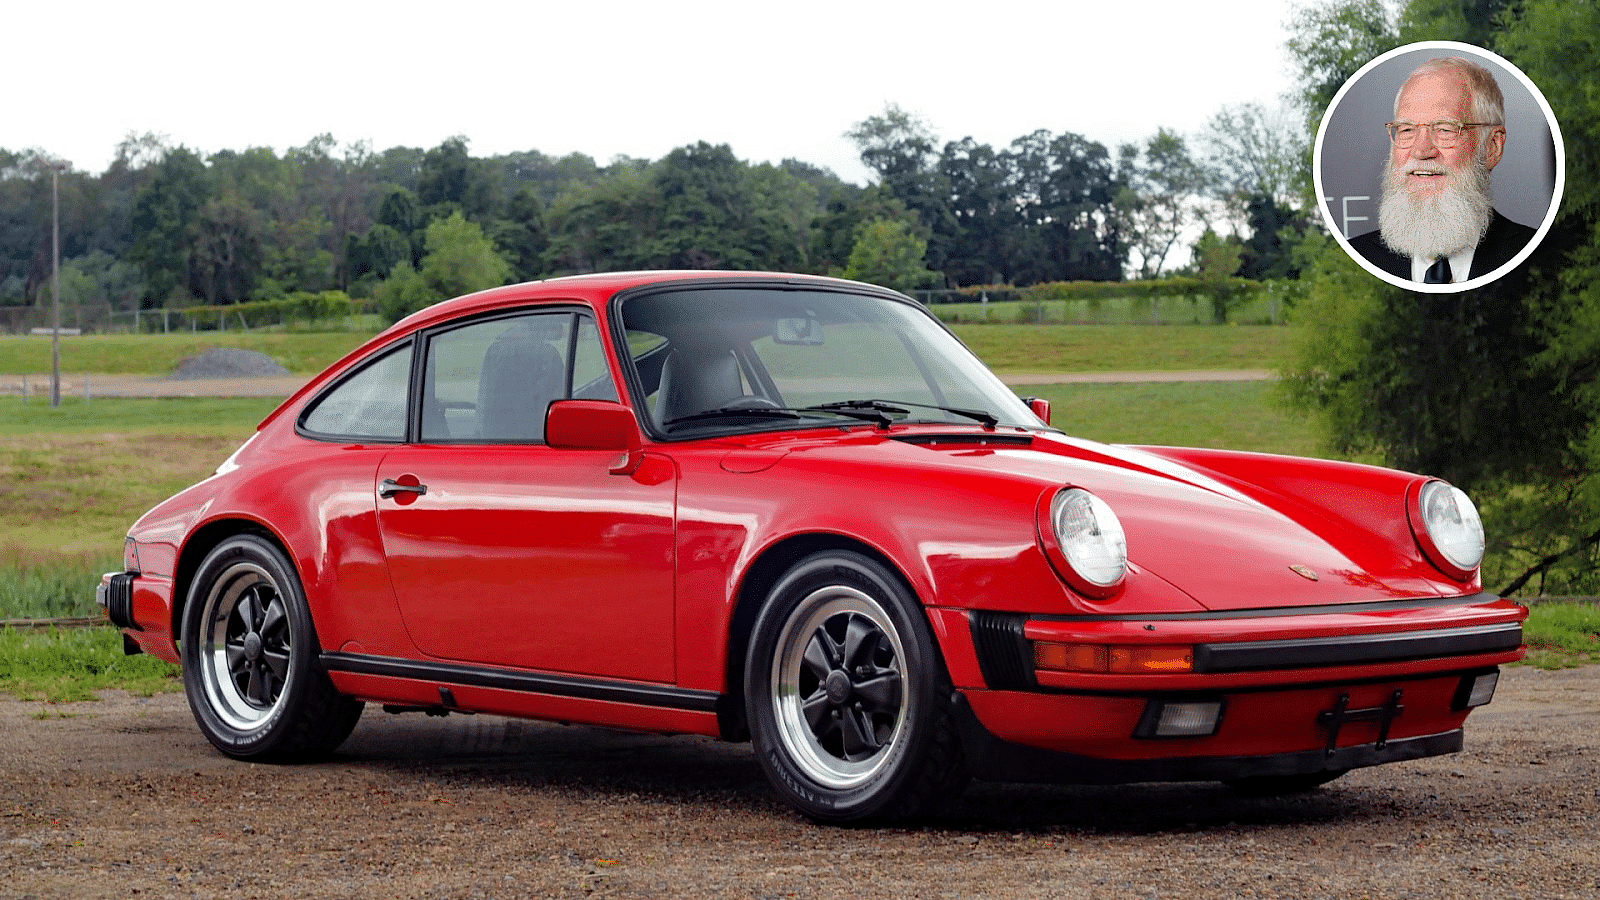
{"points": [[1476, 690], [1187, 718]]}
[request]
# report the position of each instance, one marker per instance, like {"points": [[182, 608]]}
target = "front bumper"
{"points": [[992, 759], [1288, 692]]}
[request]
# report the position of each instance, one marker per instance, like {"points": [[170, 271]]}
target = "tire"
{"points": [[250, 659], [849, 705], [1282, 785]]}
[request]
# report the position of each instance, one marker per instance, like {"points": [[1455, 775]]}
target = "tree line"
{"points": [[165, 227], [1496, 389]]}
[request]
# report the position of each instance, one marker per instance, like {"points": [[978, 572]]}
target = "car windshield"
{"points": [[746, 358]]}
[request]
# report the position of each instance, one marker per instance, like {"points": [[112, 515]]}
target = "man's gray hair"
{"points": [[1488, 103]]}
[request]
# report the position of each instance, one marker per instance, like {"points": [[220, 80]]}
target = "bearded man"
{"points": [[1436, 219]]}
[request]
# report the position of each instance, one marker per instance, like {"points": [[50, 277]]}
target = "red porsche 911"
{"points": [[797, 511]]}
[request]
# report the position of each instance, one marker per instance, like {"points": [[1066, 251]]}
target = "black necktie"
{"points": [[1438, 273]]}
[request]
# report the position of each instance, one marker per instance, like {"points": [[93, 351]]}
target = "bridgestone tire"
{"points": [[250, 654], [848, 702]]}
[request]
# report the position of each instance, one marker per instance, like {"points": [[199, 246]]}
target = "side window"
{"points": [[591, 377], [369, 405], [493, 380]]}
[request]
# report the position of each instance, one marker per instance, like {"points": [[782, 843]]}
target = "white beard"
{"points": [[1444, 225]]}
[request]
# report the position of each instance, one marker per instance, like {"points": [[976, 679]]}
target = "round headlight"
{"points": [[1090, 537], [1452, 525]]}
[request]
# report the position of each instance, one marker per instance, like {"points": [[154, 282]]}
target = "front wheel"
{"points": [[848, 703], [250, 658]]}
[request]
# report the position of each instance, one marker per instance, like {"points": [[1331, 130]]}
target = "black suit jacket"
{"points": [[1500, 243]]}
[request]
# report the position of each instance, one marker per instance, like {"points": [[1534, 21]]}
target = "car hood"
{"points": [[1332, 534]]}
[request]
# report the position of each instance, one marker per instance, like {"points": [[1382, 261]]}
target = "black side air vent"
{"points": [[1003, 653]]}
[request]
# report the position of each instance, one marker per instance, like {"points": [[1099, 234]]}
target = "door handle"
{"points": [[390, 487]]}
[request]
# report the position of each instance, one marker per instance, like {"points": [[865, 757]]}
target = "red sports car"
{"points": [[798, 511]]}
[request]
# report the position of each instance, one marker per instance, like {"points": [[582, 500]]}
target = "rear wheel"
{"points": [[848, 702], [250, 658]]}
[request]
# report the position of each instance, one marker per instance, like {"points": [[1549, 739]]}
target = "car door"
{"points": [[505, 551]]}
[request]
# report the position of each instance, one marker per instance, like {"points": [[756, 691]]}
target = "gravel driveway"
{"points": [[123, 798]]}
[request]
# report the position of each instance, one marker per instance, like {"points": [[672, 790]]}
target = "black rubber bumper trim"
{"points": [[1344, 650], [524, 682], [115, 594]]}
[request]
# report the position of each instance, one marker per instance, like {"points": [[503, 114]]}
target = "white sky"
{"points": [[623, 77]]}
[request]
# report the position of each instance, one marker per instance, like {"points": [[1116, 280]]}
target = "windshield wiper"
{"points": [[878, 412], [894, 407], [778, 412]]}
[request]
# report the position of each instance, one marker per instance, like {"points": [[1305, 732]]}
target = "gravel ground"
{"points": [[123, 798]]}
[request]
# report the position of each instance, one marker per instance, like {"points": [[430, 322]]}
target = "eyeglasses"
{"points": [[1446, 132]]}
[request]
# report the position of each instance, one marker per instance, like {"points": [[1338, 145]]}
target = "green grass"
{"points": [[1236, 415], [74, 478], [58, 666], [186, 415], [1110, 311], [1562, 635], [34, 585], [1125, 348], [1005, 347], [303, 353]]}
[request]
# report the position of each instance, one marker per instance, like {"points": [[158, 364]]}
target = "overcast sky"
{"points": [[623, 77]]}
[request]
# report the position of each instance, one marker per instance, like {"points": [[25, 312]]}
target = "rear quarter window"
{"points": [[370, 405]]}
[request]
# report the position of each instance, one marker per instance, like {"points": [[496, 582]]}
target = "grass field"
{"points": [[1561, 635], [302, 353], [1110, 311], [1006, 348]]}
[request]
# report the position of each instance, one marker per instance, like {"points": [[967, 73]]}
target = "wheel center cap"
{"points": [[838, 687], [252, 646]]}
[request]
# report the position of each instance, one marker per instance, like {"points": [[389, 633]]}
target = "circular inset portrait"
{"points": [[1439, 166]]}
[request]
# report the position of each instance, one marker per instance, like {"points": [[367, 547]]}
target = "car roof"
{"points": [[596, 287]]}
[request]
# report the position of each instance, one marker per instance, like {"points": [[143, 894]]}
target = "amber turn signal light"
{"points": [[1113, 659]]}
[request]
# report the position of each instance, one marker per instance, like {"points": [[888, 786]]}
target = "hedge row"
{"points": [[297, 307]]}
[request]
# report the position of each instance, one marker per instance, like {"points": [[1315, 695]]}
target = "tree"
{"points": [[609, 225], [1065, 187], [1330, 40], [1253, 152], [460, 258], [1275, 231], [380, 252], [706, 212], [1495, 389], [226, 253], [521, 237], [164, 216], [1474, 22], [1159, 198], [889, 253], [452, 180], [904, 152], [986, 215], [1216, 265], [403, 293]]}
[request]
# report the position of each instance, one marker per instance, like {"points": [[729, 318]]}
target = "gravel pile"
{"points": [[228, 362]]}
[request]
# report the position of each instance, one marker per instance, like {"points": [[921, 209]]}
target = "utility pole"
{"points": [[55, 281]]}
